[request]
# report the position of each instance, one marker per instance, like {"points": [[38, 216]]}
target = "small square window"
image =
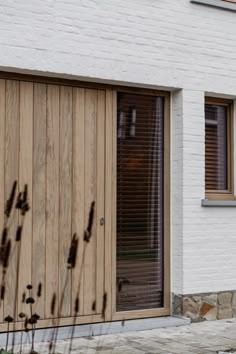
{"points": [[218, 149]]}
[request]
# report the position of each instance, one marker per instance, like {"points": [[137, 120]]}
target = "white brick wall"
{"points": [[153, 43], [177, 191]]}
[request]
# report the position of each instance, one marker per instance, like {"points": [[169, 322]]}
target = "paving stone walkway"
{"points": [[197, 338]]}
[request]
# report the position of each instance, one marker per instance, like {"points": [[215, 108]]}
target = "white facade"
{"points": [[187, 48]]}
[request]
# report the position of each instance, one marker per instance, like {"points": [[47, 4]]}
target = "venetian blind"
{"points": [[139, 202], [216, 147]]}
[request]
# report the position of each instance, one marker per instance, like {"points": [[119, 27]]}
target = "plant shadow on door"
{"points": [[17, 206]]}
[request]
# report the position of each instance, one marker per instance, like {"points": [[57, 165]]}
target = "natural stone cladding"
{"points": [[206, 306]]}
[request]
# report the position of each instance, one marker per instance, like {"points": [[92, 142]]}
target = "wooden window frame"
{"points": [[112, 141], [229, 193]]}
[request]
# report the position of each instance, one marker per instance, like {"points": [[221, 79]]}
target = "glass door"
{"points": [[140, 202]]}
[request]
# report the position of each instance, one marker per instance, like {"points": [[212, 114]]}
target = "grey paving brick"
{"points": [[198, 338]]}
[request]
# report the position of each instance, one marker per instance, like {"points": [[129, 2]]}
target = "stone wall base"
{"points": [[205, 307]]}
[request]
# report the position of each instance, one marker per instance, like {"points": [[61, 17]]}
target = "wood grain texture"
{"points": [[52, 196], [114, 201], [25, 178], [78, 215], [108, 202], [61, 141], [2, 162], [12, 129], [65, 198], [90, 190], [39, 195], [100, 210]]}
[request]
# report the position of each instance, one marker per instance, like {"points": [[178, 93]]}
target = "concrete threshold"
{"points": [[96, 329]]}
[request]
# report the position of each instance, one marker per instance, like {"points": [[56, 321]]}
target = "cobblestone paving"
{"points": [[197, 338]]}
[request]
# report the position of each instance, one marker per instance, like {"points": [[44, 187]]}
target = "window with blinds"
{"points": [[140, 141], [218, 148], [216, 172]]}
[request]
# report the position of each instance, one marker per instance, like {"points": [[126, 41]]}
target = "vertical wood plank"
{"points": [[78, 217], [65, 197], [114, 201], [90, 190], [11, 173], [108, 202], [25, 177], [2, 161], [52, 196], [39, 195], [100, 210]]}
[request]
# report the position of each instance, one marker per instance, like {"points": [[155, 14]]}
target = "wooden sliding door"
{"points": [[75, 147], [53, 139]]}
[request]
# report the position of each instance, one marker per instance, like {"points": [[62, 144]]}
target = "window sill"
{"points": [[217, 3], [218, 203]]}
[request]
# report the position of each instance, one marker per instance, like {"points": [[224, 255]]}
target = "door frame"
{"points": [[110, 208], [110, 199]]}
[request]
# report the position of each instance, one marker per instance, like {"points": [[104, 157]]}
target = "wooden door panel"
{"points": [[53, 140], [109, 198], [2, 158], [78, 200], [39, 194], [52, 196], [25, 177], [100, 200], [65, 195], [90, 196], [12, 135]]}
